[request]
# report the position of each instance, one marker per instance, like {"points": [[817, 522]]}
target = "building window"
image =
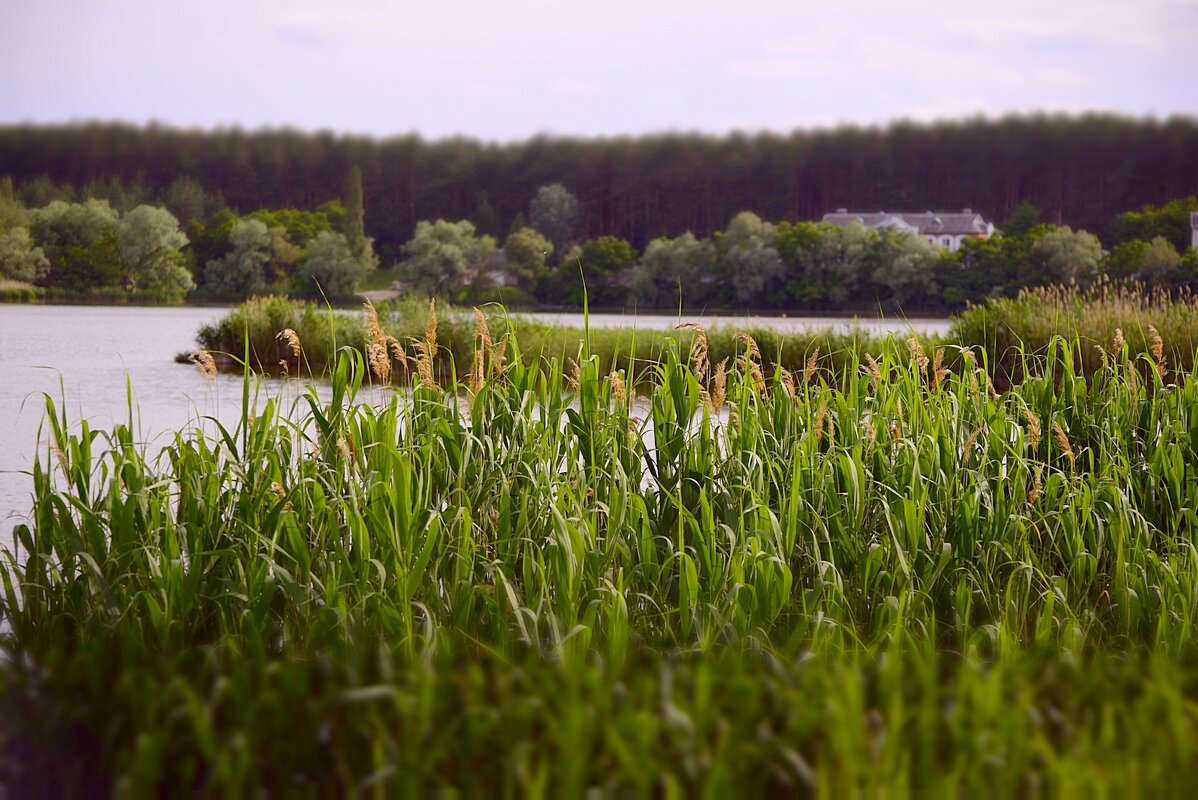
{"points": [[947, 241]]}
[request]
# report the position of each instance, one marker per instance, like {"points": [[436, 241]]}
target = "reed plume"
{"points": [[205, 363], [377, 352], [1033, 426], [1158, 352], [698, 357], [1058, 433], [290, 338]]}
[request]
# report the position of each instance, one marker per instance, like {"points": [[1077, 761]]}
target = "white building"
{"points": [[1194, 229], [945, 229]]}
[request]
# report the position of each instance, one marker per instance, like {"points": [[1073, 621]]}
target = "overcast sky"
{"points": [[509, 69]]}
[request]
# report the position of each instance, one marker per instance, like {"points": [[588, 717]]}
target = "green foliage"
{"points": [[301, 226], [751, 264], [599, 262], [329, 268], [80, 242], [906, 271], [673, 272], [1021, 221], [873, 579], [1088, 318], [526, 252], [150, 244], [1063, 255], [257, 263], [555, 213], [187, 200], [1169, 220], [440, 254], [20, 259]]}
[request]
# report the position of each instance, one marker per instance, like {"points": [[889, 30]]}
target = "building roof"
{"points": [[949, 223]]}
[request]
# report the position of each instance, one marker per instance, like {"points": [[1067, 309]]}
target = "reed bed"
{"points": [[255, 325], [713, 577], [1087, 318]]}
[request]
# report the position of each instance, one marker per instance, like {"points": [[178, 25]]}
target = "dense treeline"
{"points": [[1082, 171]]}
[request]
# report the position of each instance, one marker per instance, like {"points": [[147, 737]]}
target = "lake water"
{"points": [[871, 325], [82, 356]]}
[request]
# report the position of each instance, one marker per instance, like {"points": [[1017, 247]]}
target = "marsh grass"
{"points": [[883, 578], [1096, 323]]}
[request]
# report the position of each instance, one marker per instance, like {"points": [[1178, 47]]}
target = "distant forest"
{"points": [[1080, 171]]}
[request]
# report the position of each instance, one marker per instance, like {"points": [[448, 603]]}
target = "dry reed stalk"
{"points": [[377, 352], [482, 331], [1118, 343], [1037, 487], [574, 376], [430, 329], [809, 369], [205, 363], [499, 357], [719, 387], [476, 372], [426, 349], [921, 358], [699, 351], [618, 390], [817, 427], [969, 445], [939, 373], [873, 371], [750, 362], [1133, 382], [291, 339], [1158, 352], [1033, 426], [787, 380], [1058, 433]]}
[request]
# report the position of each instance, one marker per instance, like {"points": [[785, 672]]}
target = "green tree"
{"points": [[598, 262], [1160, 262], [485, 220], [247, 268], [554, 212], [905, 275], [20, 258], [526, 252], [12, 213], [150, 245], [329, 266], [752, 265], [1170, 221], [674, 268], [440, 254], [355, 214], [42, 191], [186, 199], [1023, 219], [1064, 255], [80, 242]]}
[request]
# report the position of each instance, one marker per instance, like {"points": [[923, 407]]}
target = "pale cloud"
{"points": [[573, 88]]}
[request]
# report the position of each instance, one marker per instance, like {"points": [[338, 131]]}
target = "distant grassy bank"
{"points": [[1002, 334], [257, 323]]}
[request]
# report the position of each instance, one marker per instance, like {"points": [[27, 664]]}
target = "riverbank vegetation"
{"points": [[888, 580], [324, 331], [1003, 331]]}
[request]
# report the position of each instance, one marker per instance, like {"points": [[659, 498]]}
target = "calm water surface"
{"points": [[82, 356], [872, 325]]}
